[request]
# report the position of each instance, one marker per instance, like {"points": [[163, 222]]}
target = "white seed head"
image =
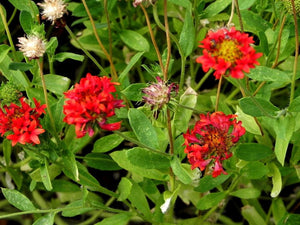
{"points": [[32, 47], [53, 9]]}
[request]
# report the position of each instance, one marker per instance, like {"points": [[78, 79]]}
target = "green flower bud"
{"points": [[9, 93]]}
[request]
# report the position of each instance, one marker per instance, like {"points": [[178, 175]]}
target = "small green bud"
{"points": [[288, 5], [9, 93]]}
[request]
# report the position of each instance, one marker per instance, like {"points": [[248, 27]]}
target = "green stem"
{"points": [[153, 38], [239, 14], [108, 56], [168, 41], [203, 79], [46, 100], [108, 27], [85, 51], [296, 53], [12, 16], [218, 93], [11, 43]]}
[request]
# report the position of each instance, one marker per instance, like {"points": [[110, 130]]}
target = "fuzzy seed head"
{"points": [[53, 9], [32, 47]]}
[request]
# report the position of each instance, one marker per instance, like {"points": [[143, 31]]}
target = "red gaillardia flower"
{"points": [[228, 52], [21, 123], [210, 141], [91, 102]]}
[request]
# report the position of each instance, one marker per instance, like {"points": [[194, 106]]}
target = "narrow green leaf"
{"points": [[147, 159], [7, 150], [295, 105], [138, 199], [4, 49], [76, 208], [70, 164], [187, 36], [179, 171], [101, 162], [257, 107], [18, 200], [263, 73], [278, 209], [252, 151], [216, 7], [60, 185], [107, 143], [253, 22], [183, 115], [28, 5], [252, 216], [51, 46], [142, 128], [290, 219], [276, 180], [118, 219], [208, 182], [135, 40], [56, 83], [246, 193], [45, 220], [248, 122], [53, 170], [184, 3], [284, 129], [210, 200], [45, 176], [26, 21], [62, 56], [131, 63]]}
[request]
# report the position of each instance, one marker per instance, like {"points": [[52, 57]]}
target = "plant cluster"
{"points": [[191, 115]]}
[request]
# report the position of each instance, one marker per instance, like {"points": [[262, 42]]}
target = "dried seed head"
{"points": [[32, 47], [53, 9]]}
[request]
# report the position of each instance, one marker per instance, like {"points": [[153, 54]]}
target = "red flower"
{"points": [[211, 140], [22, 122], [228, 52], [90, 102]]}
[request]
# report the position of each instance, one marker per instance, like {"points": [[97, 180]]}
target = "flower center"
{"points": [[228, 50]]}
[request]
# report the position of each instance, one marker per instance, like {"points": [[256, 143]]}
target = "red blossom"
{"points": [[91, 102], [21, 123], [210, 141], [228, 52]]}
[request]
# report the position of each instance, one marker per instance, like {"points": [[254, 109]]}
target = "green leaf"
{"points": [[276, 180], [53, 170], [51, 46], [7, 150], [70, 164], [62, 56], [257, 107], [28, 6], [142, 128], [246, 193], [214, 8], [263, 73], [246, 4], [290, 219], [60, 185], [252, 216], [16, 76], [180, 172], [252, 151], [18, 200], [124, 188], [56, 83], [278, 209], [254, 170], [135, 40], [107, 143], [118, 219], [210, 200], [284, 129], [187, 36], [248, 122], [183, 115], [45, 220], [57, 112], [16, 175], [20, 66], [120, 157], [134, 91], [131, 63], [4, 49], [101, 162], [147, 159], [184, 3], [253, 22], [26, 21], [76, 208], [45, 176], [138, 199], [208, 182], [295, 105]]}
